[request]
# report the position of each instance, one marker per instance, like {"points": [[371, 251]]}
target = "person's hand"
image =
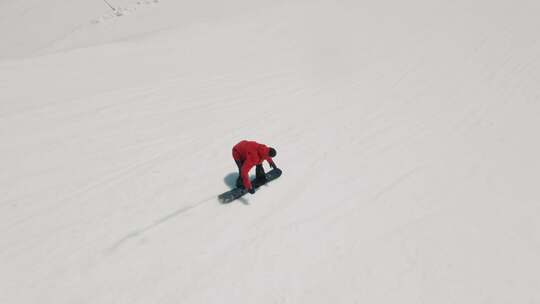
{"points": [[251, 190]]}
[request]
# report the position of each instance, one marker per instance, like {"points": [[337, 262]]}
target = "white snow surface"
{"points": [[408, 133]]}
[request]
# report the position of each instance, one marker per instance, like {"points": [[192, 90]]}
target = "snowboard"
{"points": [[237, 193]]}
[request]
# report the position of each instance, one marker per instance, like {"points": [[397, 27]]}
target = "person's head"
{"points": [[272, 152]]}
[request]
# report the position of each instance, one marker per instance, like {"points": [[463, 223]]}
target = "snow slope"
{"points": [[407, 132]]}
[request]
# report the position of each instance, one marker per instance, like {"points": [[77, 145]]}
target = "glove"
{"points": [[273, 166], [251, 190]]}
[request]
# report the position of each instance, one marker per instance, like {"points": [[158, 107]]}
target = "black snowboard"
{"points": [[236, 193]]}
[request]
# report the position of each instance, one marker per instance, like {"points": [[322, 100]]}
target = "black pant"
{"points": [[259, 172]]}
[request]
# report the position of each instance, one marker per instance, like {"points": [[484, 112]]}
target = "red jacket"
{"points": [[250, 153]]}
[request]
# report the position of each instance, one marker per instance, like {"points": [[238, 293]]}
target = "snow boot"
{"points": [[239, 182], [260, 176]]}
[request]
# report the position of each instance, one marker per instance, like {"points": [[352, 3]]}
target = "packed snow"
{"points": [[407, 132]]}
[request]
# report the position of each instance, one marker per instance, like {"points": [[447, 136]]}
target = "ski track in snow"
{"points": [[162, 220]]}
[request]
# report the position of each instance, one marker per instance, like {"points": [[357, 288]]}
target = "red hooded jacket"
{"points": [[250, 153]]}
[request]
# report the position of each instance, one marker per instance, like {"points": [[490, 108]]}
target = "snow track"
{"points": [[406, 133]]}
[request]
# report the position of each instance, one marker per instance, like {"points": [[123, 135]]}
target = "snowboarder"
{"points": [[247, 154]]}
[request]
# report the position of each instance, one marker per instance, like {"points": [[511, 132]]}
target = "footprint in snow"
{"points": [[123, 11]]}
